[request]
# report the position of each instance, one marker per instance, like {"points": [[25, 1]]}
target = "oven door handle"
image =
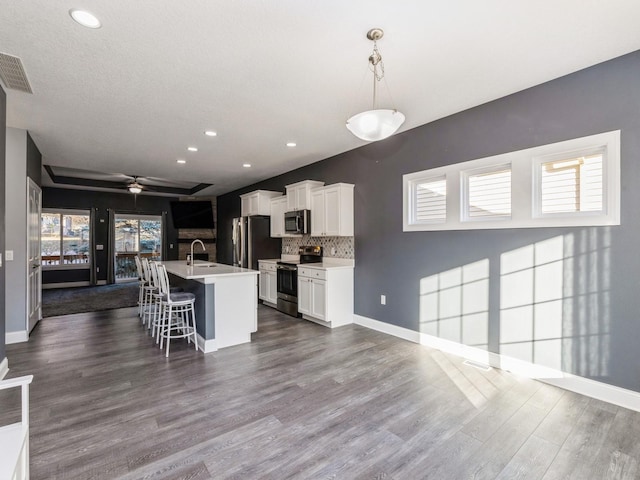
{"points": [[288, 269]]}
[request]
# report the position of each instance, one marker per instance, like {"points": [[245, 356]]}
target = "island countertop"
{"points": [[202, 270]]}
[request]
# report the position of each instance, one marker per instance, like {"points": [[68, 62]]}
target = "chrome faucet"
{"points": [[190, 260]]}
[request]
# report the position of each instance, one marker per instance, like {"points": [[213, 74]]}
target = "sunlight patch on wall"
{"points": [[454, 304], [554, 303]]}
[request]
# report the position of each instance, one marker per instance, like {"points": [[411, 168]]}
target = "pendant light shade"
{"points": [[377, 123], [374, 125]]}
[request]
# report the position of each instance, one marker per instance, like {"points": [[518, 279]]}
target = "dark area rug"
{"points": [[65, 301]]}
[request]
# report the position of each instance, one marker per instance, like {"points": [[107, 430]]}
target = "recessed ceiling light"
{"points": [[210, 133], [291, 144], [181, 161], [192, 149], [85, 18], [246, 165]]}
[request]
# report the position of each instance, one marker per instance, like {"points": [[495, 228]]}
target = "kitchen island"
{"points": [[226, 301]]}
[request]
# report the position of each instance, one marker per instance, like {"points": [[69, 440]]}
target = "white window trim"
{"points": [[523, 188]]}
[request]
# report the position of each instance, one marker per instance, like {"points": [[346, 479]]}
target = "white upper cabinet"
{"points": [[278, 207], [257, 203], [299, 194], [332, 211]]}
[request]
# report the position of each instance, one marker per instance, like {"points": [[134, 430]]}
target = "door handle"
{"points": [[35, 265]]}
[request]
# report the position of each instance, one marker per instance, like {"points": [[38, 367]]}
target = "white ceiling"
{"points": [[131, 96]]}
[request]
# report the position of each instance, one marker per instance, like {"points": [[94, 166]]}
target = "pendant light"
{"points": [[375, 124]]}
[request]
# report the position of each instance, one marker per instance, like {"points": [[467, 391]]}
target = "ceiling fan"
{"points": [[136, 185]]}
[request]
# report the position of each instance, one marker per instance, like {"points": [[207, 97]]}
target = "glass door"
{"points": [[136, 235]]}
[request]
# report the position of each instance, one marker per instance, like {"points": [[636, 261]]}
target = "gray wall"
{"points": [[600, 324], [34, 161], [16, 224], [3, 125]]}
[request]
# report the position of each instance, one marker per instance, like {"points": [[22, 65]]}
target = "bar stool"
{"points": [[141, 284], [155, 307], [178, 317], [149, 290]]}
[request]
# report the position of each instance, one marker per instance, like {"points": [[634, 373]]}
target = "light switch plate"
{"points": [[8, 255]]}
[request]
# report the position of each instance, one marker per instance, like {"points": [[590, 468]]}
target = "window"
{"points": [[135, 235], [488, 193], [65, 238], [429, 197], [571, 183]]}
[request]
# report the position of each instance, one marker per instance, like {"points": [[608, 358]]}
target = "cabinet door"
{"points": [[317, 213], [291, 199], [263, 291], [273, 287], [277, 217], [304, 295], [318, 299], [254, 204], [332, 212], [245, 206]]}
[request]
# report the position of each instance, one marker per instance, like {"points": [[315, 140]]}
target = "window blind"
{"points": [[572, 185], [431, 200], [489, 194]]}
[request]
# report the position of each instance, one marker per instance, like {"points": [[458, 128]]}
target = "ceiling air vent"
{"points": [[12, 73]]}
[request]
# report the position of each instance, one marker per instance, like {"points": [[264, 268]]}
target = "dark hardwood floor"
{"points": [[301, 401]]}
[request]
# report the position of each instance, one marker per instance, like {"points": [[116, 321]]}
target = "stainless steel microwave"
{"points": [[298, 222]]}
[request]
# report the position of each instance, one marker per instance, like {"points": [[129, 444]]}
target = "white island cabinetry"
{"points": [[332, 211], [325, 294], [226, 301], [268, 291]]}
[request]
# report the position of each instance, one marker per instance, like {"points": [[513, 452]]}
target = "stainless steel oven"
{"points": [[287, 278]]}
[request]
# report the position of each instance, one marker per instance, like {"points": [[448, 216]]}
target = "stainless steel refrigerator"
{"points": [[252, 241]]}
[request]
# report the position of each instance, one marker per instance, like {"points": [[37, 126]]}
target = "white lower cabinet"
{"points": [[325, 295], [312, 297], [268, 291]]}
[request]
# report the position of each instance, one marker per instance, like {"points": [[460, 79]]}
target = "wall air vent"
{"points": [[12, 73]]}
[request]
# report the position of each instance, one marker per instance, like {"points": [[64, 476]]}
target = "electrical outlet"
{"points": [[383, 299]]}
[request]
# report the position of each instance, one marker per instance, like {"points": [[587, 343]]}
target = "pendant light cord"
{"points": [[377, 67]]}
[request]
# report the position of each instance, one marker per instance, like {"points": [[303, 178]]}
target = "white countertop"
{"points": [[326, 265], [204, 270], [327, 262]]}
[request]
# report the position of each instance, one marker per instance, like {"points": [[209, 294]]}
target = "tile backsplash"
{"points": [[336, 247]]}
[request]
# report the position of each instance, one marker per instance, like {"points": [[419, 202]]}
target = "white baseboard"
{"points": [[4, 368], [101, 282], [206, 346], [584, 386], [16, 337]]}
